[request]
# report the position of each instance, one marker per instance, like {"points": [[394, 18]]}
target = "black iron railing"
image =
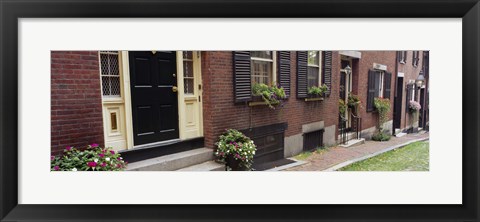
{"points": [[355, 127]]}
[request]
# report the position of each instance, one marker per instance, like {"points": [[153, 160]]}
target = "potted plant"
{"points": [[382, 106], [354, 102], [235, 150], [316, 92], [271, 95], [414, 106], [94, 158]]}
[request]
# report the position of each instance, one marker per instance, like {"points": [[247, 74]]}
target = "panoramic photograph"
{"points": [[239, 111]]}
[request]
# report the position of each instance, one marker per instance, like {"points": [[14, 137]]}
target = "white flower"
{"points": [[96, 160], [107, 159], [245, 153], [240, 150], [253, 152], [74, 169]]}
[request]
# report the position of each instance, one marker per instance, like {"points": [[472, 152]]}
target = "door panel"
{"points": [[397, 110], [154, 103]]}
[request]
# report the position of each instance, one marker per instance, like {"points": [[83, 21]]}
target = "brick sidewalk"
{"points": [[336, 155]]}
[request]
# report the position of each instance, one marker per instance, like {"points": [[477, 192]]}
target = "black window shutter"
{"points": [[327, 70], [284, 71], [242, 82], [302, 63], [405, 56], [387, 81], [414, 58], [371, 90]]}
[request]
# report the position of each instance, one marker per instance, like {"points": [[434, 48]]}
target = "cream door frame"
{"points": [[126, 119], [190, 107]]}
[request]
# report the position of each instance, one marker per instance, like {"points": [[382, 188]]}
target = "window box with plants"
{"points": [[263, 94], [316, 93], [235, 150]]}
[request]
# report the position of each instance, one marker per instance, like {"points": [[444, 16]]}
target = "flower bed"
{"points": [[94, 158]]}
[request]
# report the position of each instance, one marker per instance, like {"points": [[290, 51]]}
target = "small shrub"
{"points": [[94, 158], [383, 107], [381, 137]]}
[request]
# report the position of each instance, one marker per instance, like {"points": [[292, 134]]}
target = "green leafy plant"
{"points": [[381, 136], [94, 158], [342, 107], [383, 108], [317, 91], [353, 100], [271, 95], [235, 144]]}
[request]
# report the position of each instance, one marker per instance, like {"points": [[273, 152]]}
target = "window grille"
{"points": [[109, 68], [261, 65], [188, 77]]}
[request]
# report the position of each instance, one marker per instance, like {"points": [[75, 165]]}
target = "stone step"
{"points": [[353, 142], [400, 134], [398, 131], [205, 166], [173, 161]]}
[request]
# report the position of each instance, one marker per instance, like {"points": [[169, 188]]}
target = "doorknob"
{"points": [[174, 89]]}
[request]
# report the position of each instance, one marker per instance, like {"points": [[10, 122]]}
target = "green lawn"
{"points": [[413, 157]]}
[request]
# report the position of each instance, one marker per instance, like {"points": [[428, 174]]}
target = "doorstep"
{"points": [[173, 161]]}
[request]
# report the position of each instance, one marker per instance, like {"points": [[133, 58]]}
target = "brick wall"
{"points": [[360, 82], [411, 74], [220, 111], [76, 104]]}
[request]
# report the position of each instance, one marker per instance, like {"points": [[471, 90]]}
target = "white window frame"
{"points": [[273, 61], [382, 76], [319, 66], [119, 76], [404, 55]]}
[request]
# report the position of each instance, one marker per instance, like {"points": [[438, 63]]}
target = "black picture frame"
{"points": [[11, 11]]}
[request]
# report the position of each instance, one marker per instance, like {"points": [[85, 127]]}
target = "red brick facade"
{"points": [[77, 98], [410, 75], [76, 103], [220, 111], [360, 81]]}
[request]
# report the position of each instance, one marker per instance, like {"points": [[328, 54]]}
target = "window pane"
{"points": [[261, 72], [261, 54], [187, 55], [312, 76], [188, 68], [313, 58], [188, 85], [110, 72]]}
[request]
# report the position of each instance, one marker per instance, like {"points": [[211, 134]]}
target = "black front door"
{"points": [[397, 106], [154, 98], [421, 122]]}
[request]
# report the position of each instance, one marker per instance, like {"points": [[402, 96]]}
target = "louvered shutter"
{"points": [[284, 71], [387, 80], [371, 90], [302, 63], [399, 56], [327, 71], [242, 78], [405, 56]]}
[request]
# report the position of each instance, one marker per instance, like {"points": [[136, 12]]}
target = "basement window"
{"points": [[313, 140]]}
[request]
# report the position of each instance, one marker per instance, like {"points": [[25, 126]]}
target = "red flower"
{"points": [[112, 152], [56, 168], [103, 165], [91, 164], [68, 148], [101, 155], [94, 145]]}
